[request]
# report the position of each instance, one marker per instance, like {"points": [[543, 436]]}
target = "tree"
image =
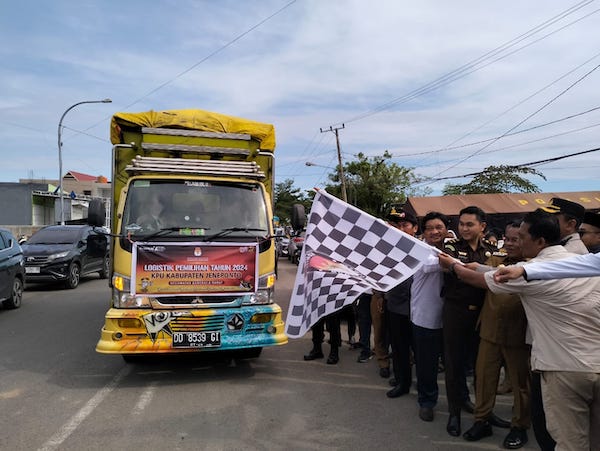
{"points": [[287, 195], [497, 179], [375, 184]]}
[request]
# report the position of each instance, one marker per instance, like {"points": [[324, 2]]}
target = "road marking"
{"points": [[145, 398], [70, 426], [11, 394]]}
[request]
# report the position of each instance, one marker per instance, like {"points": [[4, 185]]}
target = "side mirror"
{"points": [[298, 216]]}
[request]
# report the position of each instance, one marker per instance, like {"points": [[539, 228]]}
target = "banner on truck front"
{"points": [[167, 269]]}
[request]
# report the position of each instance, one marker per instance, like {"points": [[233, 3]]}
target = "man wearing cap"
{"points": [[397, 306], [570, 215], [564, 321], [462, 306], [590, 231]]}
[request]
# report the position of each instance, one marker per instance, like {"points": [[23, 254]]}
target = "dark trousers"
{"points": [[427, 348], [333, 327], [461, 341], [399, 327], [538, 417], [364, 321], [348, 313]]}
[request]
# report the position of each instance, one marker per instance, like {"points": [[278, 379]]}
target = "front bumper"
{"points": [[146, 331], [49, 273]]}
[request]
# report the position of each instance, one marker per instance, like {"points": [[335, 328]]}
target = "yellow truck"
{"points": [[193, 252]]}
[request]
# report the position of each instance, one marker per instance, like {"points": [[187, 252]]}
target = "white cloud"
{"points": [[313, 65]]}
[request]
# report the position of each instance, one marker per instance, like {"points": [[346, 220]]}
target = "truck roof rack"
{"points": [[140, 165], [203, 150], [195, 133]]}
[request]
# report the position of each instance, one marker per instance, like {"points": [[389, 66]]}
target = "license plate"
{"points": [[32, 269], [196, 339]]}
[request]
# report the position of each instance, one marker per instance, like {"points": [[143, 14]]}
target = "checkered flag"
{"points": [[345, 253]]}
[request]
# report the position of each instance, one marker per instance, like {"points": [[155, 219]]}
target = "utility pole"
{"points": [[339, 153]]}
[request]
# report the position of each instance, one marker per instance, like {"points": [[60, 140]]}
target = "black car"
{"points": [[65, 253], [12, 270]]}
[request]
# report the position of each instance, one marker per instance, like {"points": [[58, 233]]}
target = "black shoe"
{"points": [[384, 372], [478, 431], [426, 413], [453, 426], [468, 406], [396, 392], [498, 422], [392, 382], [515, 439], [365, 356], [315, 353], [333, 357]]}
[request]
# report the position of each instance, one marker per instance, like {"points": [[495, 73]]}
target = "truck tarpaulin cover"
{"points": [[195, 120]]}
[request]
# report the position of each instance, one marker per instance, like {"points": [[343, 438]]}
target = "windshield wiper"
{"points": [[230, 230], [159, 233]]}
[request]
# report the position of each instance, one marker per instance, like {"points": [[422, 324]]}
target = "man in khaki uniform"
{"points": [[502, 330], [564, 320]]}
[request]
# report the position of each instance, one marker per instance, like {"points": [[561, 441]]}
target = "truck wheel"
{"points": [[105, 268], [74, 276], [14, 301]]}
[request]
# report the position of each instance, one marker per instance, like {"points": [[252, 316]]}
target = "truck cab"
{"points": [[193, 248]]}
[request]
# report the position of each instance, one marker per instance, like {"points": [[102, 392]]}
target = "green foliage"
{"points": [[374, 184], [497, 179], [287, 195]]}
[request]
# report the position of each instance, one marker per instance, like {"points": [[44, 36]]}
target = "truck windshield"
{"points": [[196, 208]]}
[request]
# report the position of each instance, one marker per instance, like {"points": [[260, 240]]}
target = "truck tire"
{"points": [[74, 276], [14, 301], [105, 268]]}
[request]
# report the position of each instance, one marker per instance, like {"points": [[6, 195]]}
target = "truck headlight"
{"points": [[265, 293], [122, 297]]}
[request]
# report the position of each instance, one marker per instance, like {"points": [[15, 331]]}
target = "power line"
{"points": [[210, 55], [470, 67], [524, 100], [524, 120], [215, 52], [444, 149], [516, 166]]}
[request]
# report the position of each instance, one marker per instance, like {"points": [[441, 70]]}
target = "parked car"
{"points": [[295, 247], [12, 270], [65, 253]]}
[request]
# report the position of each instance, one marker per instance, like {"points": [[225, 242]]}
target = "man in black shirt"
{"points": [[462, 305]]}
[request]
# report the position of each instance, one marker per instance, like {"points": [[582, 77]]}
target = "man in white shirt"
{"points": [[426, 315], [564, 318]]}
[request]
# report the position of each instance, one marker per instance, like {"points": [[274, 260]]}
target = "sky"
{"points": [[447, 88]]}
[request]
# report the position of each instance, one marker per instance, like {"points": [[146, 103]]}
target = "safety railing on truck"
{"points": [[249, 169]]}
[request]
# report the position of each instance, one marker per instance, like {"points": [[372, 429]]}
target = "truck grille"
{"points": [[196, 301], [197, 323]]}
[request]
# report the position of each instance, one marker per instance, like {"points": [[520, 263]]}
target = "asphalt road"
{"points": [[57, 393]]}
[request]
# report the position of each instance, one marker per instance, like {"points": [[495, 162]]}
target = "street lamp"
{"points": [[62, 210], [340, 173]]}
